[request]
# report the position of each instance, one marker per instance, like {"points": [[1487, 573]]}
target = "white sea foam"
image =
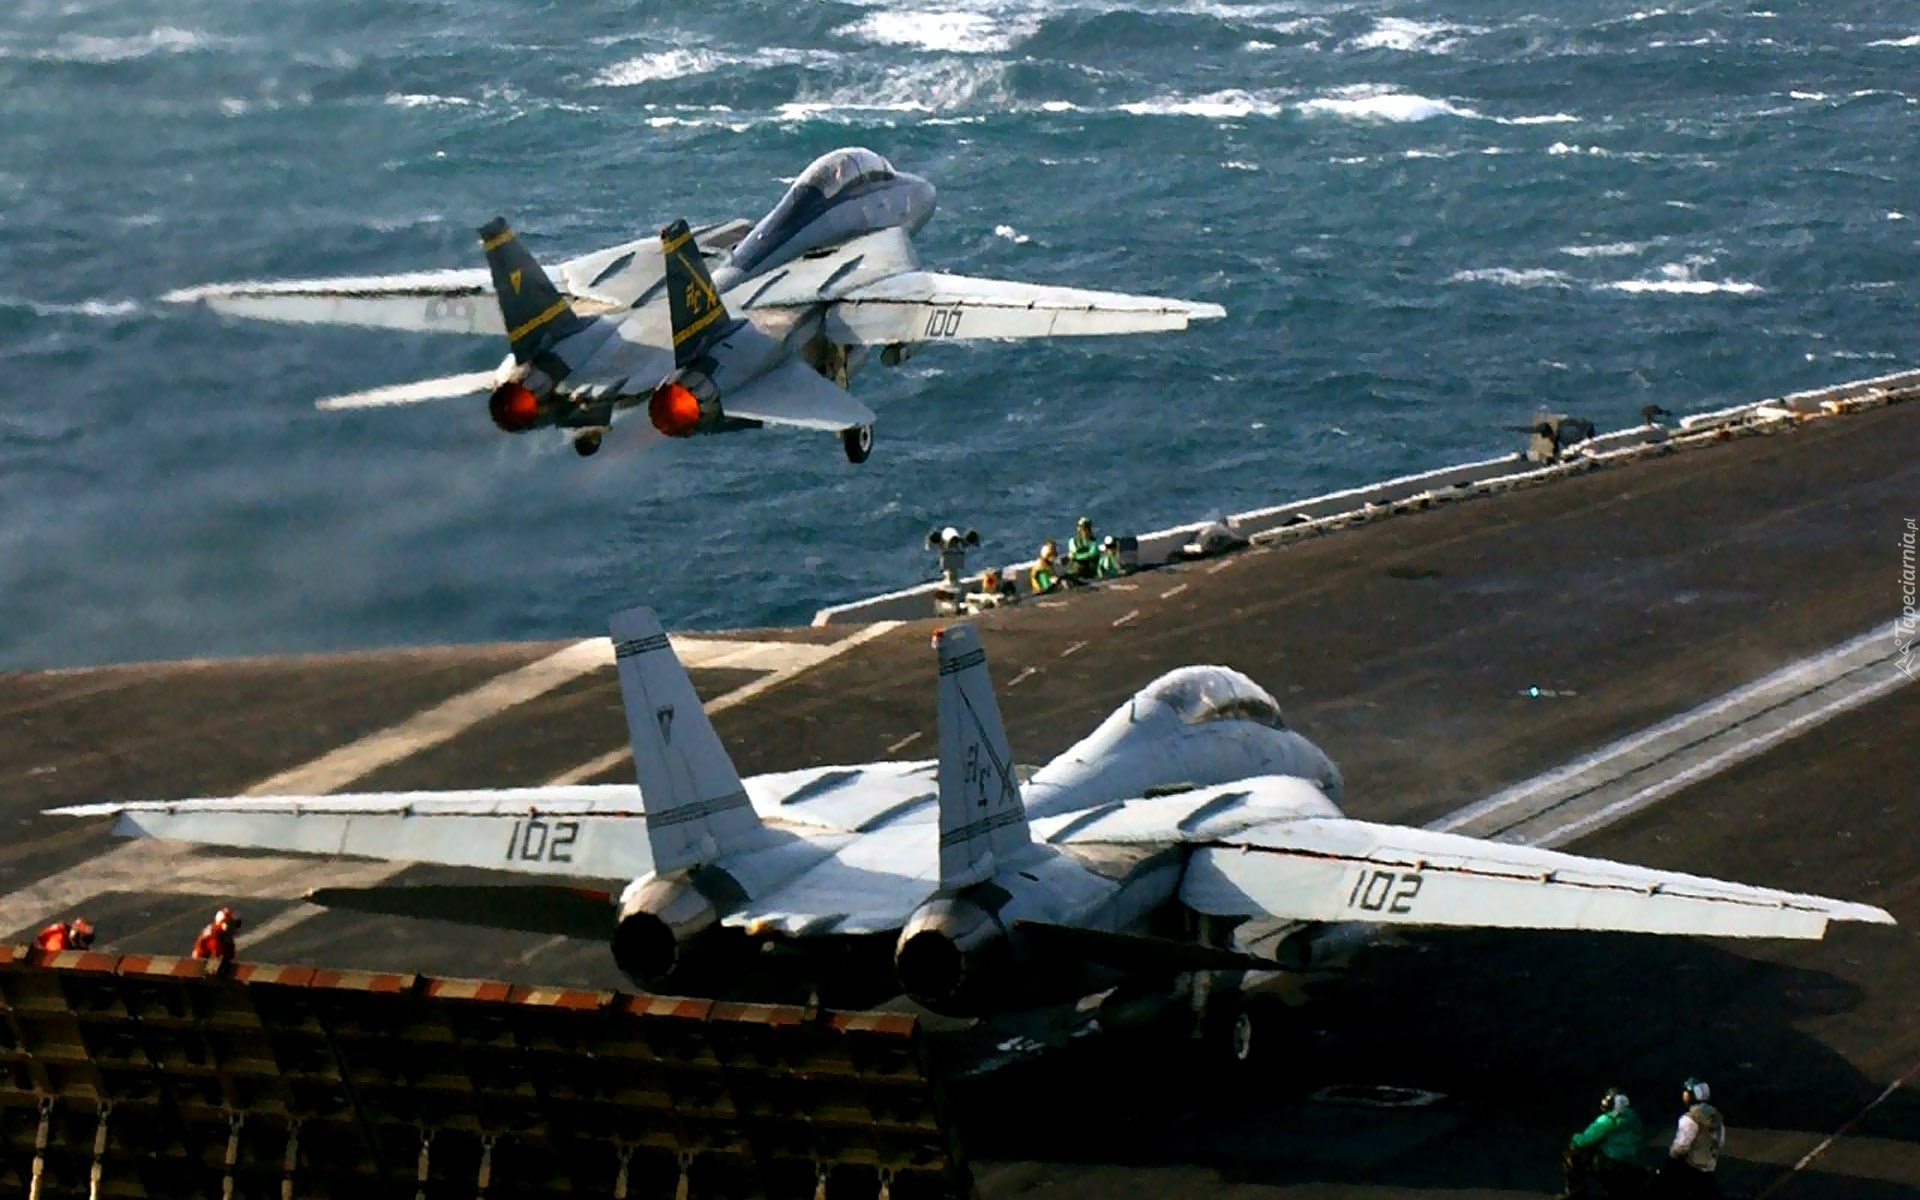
{"points": [[89, 48], [1905, 43], [1228, 105], [667, 64], [1235, 164], [99, 308], [940, 86], [1372, 105], [426, 100], [1544, 119], [1528, 277], [1607, 250], [1679, 279], [687, 61], [947, 32], [1413, 37], [1807, 95], [1011, 234]]}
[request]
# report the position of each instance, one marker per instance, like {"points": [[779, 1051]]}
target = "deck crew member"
{"points": [[76, 934], [216, 940], [1083, 553], [1108, 565], [1045, 576], [1698, 1139], [1607, 1151]]}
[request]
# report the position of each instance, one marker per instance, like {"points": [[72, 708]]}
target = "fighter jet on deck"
{"points": [[732, 326], [1188, 840]]}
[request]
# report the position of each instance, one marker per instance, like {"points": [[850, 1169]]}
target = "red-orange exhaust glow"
{"points": [[674, 410], [514, 408]]}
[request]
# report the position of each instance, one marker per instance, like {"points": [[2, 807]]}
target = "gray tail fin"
{"points": [[982, 814], [696, 809], [700, 318], [536, 315]]}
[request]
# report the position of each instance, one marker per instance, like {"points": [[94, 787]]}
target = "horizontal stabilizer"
{"points": [[795, 395], [447, 387], [1336, 869], [921, 306], [1133, 953], [530, 908]]}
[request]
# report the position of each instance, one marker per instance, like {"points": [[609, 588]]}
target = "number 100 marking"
{"points": [[943, 322]]}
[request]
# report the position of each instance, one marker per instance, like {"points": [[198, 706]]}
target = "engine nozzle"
{"points": [[950, 954], [514, 407], [684, 404], [657, 916]]}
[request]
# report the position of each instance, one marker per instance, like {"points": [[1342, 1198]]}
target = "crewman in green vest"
{"points": [[1083, 553], [1045, 576]]}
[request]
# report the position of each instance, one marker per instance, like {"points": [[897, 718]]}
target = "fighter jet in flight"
{"points": [[1191, 836], [729, 327]]}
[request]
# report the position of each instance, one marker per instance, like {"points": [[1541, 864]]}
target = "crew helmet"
{"points": [[80, 932], [1698, 1089], [1614, 1101]]}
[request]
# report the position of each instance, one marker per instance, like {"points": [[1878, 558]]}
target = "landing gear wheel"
{"points": [[584, 444], [858, 442], [1240, 1037]]}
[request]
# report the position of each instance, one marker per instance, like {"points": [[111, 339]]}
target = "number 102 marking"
{"points": [[1384, 891], [534, 840]]}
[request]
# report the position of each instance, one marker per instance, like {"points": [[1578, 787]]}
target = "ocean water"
{"points": [[1423, 219]]}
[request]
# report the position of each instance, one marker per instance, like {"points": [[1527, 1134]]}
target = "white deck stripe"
{"points": [[740, 695], [443, 722], [1600, 788], [449, 719]]}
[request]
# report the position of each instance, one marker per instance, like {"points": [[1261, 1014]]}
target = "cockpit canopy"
{"points": [[833, 176], [1197, 695], [838, 170]]}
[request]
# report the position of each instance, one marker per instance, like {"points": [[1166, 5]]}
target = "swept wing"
{"points": [[452, 301], [1291, 862]]}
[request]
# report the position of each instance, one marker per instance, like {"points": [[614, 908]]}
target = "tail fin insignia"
{"points": [[535, 313], [982, 813], [699, 316], [697, 810]]}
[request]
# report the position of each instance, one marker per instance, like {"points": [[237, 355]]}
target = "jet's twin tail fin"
{"points": [[982, 814], [536, 315], [700, 317], [697, 810]]}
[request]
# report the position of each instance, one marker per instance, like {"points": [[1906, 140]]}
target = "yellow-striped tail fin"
{"points": [[700, 318], [536, 315]]}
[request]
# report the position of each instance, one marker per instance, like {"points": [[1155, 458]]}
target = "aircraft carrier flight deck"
{"points": [[1441, 657]]}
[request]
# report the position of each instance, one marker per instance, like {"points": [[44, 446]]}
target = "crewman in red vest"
{"points": [[216, 940], [76, 934]]}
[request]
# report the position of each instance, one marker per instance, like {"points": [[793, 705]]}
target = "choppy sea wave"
{"points": [[1418, 222]]}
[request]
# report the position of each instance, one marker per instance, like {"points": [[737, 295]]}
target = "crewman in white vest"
{"points": [[1698, 1140]]}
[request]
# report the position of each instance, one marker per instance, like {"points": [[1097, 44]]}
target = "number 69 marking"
{"points": [[534, 840], [943, 322], [1384, 891]]}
